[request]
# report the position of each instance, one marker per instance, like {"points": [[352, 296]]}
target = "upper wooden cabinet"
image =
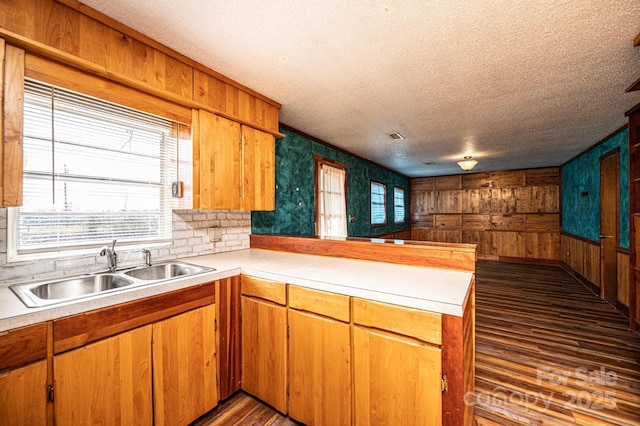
{"points": [[234, 165]]}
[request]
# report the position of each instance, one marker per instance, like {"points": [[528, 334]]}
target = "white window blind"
{"points": [[93, 172], [333, 205], [378, 204], [398, 205]]}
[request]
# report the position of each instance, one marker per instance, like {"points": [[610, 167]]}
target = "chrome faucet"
{"points": [[147, 257], [112, 256]]}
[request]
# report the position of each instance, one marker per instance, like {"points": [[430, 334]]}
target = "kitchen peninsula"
{"points": [[388, 326]]}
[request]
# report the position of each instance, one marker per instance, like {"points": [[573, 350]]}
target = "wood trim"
{"points": [[624, 310], [582, 279], [228, 336], [264, 289], [342, 150], [636, 41], [461, 257], [634, 86], [22, 346], [579, 238], [318, 302], [594, 146], [634, 109], [12, 128], [110, 22], [458, 349], [78, 330], [528, 260], [622, 250], [85, 66]]}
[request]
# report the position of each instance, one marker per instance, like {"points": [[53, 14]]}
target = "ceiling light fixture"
{"points": [[467, 164], [396, 136]]}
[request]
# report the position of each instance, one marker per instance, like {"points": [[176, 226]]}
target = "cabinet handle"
{"points": [[601, 236]]}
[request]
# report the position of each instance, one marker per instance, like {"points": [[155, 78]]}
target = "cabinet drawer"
{"points": [[264, 289], [319, 302], [423, 325], [23, 345]]}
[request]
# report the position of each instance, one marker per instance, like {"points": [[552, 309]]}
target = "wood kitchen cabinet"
{"points": [[264, 341], [319, 357], [184, 367], [397, 365], [106, 381], [23, 393], [234, 165], [228, 336]]}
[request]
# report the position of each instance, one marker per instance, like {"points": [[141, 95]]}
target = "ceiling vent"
{"points": [[396, 136]]}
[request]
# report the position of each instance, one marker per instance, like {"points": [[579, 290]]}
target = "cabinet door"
{"points": [[184, 367], [397, 380], [259, 170], [264, 352], [108, 382], [319, 370], [24, 395], [219, 163], [228, 335]]}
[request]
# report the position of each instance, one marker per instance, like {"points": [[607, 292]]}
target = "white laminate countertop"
{"points": [[436, 290]]}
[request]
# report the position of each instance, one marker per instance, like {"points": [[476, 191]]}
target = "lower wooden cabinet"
{"points": [[184, 367], [23, 393], [319, 370], [106, 382], [397, 381], [264, 351]]}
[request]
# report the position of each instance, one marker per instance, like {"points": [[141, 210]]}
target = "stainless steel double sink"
{"points": [[45, 293]]}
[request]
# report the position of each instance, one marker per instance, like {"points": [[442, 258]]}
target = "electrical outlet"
{"points": [[568, 254]]}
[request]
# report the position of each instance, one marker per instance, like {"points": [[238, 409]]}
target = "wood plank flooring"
{"points": [[548, 352]]}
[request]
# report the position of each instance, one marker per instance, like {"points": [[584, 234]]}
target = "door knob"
{"points": [[604, 236]]}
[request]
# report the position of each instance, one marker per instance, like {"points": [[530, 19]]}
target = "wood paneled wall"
{"points": [[508, 214], [106, 47], [581, 257]]}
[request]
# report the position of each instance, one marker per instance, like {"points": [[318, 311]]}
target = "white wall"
{"points": [[195, 232]]}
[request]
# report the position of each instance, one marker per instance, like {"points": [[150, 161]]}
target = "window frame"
{"points": [[386, 216], [404, 205], [87, 246], [319, 161]]}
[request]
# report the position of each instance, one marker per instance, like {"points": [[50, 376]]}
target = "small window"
{"points": [[93, 172], [378, 203], [398, 205], [331, 198]]}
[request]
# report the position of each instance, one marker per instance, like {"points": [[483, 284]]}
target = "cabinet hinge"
{"points": [[287, 332], [445, 384], [50, 393], [215, 325]]}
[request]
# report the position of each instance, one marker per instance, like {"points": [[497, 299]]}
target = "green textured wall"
{"points": [[295, 201], [581, 215]]}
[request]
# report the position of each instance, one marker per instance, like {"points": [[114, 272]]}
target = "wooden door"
{"points": [[264, 351], [184, 367], [23, 399], [108, 382], [397, 380], [219, 163], [319, 370], [259, 170], [609, 220], [228, 335]]}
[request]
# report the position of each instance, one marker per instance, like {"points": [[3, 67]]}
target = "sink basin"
{"points": [[78, 287], [45, 293], [164, 271]]}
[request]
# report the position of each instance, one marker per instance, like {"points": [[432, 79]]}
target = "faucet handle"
{"points": [[113, 245]]}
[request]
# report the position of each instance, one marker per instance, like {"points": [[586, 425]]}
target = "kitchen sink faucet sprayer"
{"points": [[112, 256], [147, 257]]}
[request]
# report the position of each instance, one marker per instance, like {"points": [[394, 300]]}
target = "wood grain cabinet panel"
{"points": [[228, 336], [184, 367], [259, 170], [320, 370], [23, 391], [264, 351], [396, 380], [106, 381], [331, 305], [264, 289]]}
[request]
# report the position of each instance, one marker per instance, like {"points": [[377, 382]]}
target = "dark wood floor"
{"points": [[548, 352]]}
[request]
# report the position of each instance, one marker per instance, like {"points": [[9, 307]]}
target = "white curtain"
{"points": [[333, 206]]}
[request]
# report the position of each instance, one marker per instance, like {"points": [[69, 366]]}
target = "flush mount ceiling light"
{"points": [[467, 164], [396, 136]]}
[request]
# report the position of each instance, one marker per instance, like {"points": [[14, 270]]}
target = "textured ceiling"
{"points": [[516, 84]]}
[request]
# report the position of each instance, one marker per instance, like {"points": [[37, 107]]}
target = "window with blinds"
{"points": [[398, 204], [378, 203], [93, 172]]}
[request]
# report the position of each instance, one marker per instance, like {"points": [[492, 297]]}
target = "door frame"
{"points": [[613, 153]]}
